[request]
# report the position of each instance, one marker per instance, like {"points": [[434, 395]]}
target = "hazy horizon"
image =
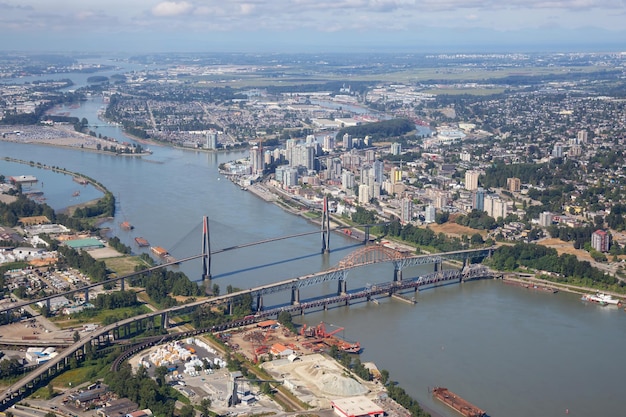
{"points": [[419, 26]]}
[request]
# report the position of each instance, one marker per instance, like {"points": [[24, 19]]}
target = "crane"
{"points": [[332, 333]]}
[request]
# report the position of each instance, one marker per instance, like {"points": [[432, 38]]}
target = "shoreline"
{"points": [[60, 137], [506, 275], [75, 148]]}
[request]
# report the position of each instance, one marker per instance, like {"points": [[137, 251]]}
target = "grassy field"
{"points": [[88, 372], [415, 75], [455, 230], [468, 91], [123, 265], [100, 316]]}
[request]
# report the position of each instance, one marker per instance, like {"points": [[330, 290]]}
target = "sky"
{"points": [[313, 25]]}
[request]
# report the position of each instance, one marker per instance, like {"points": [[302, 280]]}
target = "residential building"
{"points": [[364, 194], [471, 180], [600, 240], [495, 207], [545, 219], [514, 185], [347, 180], [430, 214], [478, 199], [347, 141], [406, 213]]}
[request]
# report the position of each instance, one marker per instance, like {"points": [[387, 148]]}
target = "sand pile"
{"points": [[330, 380]]}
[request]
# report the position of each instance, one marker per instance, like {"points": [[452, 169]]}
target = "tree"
{"points": [[76, 336], [187, 411], [477, 239], [50, 390], [384, 376], [159, 375], [204, 406], [266, 388]]}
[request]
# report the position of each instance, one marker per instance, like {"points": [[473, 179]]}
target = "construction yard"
{"points": [[296, 359]]}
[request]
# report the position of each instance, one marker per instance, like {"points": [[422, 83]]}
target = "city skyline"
{"points": [[312, 26]]}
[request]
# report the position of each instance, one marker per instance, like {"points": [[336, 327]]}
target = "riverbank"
{"points": [[60, 137], [525, 279]]}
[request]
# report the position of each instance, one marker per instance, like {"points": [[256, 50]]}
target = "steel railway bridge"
{"points": [[368, 255]]}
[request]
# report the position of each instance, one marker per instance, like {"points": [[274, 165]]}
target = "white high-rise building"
{"points": [[396, 148], [347, 180], [347, 141], [291, 177], [545, 219], [364, 194], [211, 139], [328, 144], [256, 160], [430, 214], [471, 180], [582, 137], [495, 207], [406, 212], [379, 171]]}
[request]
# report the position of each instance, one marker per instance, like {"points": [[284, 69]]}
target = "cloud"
{"points": [[171, 8], [246, 8]]}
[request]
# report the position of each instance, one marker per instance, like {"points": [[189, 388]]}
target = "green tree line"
{"points": [[564, 268], [379, 130]]}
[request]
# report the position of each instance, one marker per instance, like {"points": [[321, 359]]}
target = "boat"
{"points": [[159, 251], [343, 345], [601, 298], [126, 226], [457, 403], [141, 242], [75, 193]]}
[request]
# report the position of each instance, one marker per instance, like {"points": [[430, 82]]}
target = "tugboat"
{"points": [[126, 226]]}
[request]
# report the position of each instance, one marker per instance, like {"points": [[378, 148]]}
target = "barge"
{"points": [[457, 403], [141, 242], [159, 251]]}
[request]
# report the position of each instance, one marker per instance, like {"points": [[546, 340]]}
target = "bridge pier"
{"points": [[164, 320], [259, 302], [86, 295], [341, 287], [122, 283], [366, 238], [397, 274], [208, 285], [295, 296], [325, 227], [206, 251], [439, 265], [48, 304]]}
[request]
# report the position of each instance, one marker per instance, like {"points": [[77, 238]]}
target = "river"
{"points": [[510, 351]]}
